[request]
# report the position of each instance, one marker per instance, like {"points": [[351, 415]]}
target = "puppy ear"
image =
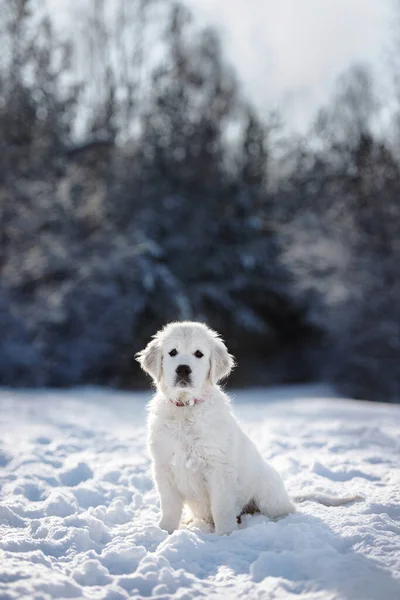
{"points": [[222, 362], [150, 359]]}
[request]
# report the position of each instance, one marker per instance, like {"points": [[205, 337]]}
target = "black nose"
{"points": [[183, 370]]}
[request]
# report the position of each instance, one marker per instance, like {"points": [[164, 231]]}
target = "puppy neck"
{"points": [[184, 402], [185, 397]]}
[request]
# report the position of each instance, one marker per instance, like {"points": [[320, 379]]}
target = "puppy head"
{"points": [[186, 357]]}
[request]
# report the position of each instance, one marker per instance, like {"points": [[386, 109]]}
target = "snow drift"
{"points": [[78, 511]]}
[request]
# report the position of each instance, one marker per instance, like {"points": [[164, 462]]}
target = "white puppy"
{"points": [[201, 457]]}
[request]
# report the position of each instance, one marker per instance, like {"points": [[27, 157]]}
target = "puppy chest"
{"points": [[189, 465]]}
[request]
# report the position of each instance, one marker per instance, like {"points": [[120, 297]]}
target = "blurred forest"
{"points": [[138, 185]]}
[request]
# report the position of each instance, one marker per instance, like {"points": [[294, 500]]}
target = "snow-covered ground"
{"points": [[78, 513]]}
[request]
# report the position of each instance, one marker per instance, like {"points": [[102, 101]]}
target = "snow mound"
{"points": [[78, 512]]}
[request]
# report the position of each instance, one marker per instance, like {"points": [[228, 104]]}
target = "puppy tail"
{"points": [[327, 500]]}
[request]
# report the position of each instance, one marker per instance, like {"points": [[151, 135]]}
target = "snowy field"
{"points": [[78, 514]]}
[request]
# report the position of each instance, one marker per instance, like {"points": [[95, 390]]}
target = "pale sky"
{"points": [[288, 53]]}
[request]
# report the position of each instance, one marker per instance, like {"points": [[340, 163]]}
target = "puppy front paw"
{"points": [[226, 527], [167, 525]]}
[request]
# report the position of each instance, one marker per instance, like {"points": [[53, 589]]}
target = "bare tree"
{"points": [[114, 52]]}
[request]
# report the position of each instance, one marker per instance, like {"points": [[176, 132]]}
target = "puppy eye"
{"points": [[198, 354], [173, 352]]}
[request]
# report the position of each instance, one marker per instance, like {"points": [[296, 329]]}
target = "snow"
{"points": [[78, 512]]}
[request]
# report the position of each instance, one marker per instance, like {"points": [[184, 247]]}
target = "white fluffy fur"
{"points": [[201, 457]]}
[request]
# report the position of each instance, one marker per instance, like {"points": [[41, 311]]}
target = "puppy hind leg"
{"points": [[273, 501]]}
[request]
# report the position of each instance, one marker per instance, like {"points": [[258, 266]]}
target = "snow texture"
{"points": [[78, 512]]}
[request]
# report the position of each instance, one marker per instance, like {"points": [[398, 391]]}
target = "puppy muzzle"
{"points": [[182, 377]]}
